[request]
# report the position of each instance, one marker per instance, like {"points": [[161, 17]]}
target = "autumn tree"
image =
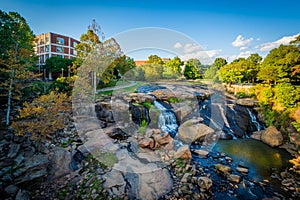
{"points": [[42, 117], [16, 57]]}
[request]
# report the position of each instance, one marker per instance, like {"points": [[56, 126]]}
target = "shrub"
{"points": [[43, 116]]}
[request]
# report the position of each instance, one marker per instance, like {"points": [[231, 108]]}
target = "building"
{"points": [[54, 45]]}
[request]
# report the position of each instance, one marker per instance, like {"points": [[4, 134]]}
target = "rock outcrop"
{"points": [[272, 137]]}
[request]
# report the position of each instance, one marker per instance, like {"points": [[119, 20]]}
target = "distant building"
{"points": [[140, 62], [54, 45]]}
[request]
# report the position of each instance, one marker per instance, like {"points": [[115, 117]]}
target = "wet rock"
{"points": [[181, 110], [204, 182], [223, 168], [183, 152], [185, 177], [191, 131], [13, 150], [234, 178], [242, 170], [201, 153], [257, 135], [272, 137]]}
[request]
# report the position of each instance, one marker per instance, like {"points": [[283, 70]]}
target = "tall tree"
{"points": [[278, 64], [220, 62], [155, 59], [16, 56], [172, 68]]}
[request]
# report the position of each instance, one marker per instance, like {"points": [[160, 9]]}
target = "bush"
{"points": [[64, 84], [43, 116]]}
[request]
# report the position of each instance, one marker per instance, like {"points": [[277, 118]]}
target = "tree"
{"points": [[253, 67], [152, 72], [193, 69], [172, 68], [230, 74], [278, 64], [220, 62], [56, 64], [42, 117], [155, 59], [124, 64], [16, 56]]}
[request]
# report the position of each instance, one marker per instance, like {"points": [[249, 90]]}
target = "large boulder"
{"points": [[183, 152], [247, 102], [191, 131], [59, 163], [272, 137], [141, 97]]}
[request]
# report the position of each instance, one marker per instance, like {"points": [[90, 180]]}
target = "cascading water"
{"points": [[254, 120], [167, 119]]}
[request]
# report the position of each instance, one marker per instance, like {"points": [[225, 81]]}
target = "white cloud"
{"points": [[243, 54], [271, 45], [177, 45], [205, 56], [189, 48], [243, 48], [240, 41]]}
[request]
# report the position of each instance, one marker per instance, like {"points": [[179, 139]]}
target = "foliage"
{"points": [[296, 164], [124, 64], [219, 62], [230, 74], [278, 65], [155, 59], [286, 95], [147, 104], [212, 73], [152, 72], [172, 68], [16, 57], [174, 100], [42, 117], [64, 84], [241, 95], [143, 127], [193, 69], [56, 64]]}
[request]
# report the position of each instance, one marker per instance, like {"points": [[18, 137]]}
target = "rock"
{"points": [[60, 163], [223, 168], [163, 140], [247, 102], [114, 183], [146, 142], [204, 182], [185, 178], [201, 153], [242, 170], [11, 190], [191, 131], [181, 110], [118, 133], [13, 150], [183, 152], [23, 195], [272, 137], [257, 135], [234, 178], [141, 97], [295, 138]]}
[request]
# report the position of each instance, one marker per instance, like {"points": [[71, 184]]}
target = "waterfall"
{"points": [[167, 119], [254, 120]]}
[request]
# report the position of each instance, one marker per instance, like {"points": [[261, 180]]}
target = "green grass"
{"points": [[130, 89]]}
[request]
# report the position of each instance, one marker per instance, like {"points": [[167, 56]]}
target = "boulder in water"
{"points": [[272, 137], [223, 168], [191, 131], [204, 182]]}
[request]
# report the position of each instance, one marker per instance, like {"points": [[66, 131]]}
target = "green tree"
{"points": [[220, 62], [193, 69], [124, 64], [278, 64], [152, 72], [172, 68], [253, 67], [56, 64], [155, 59], [16, 56], [286, 95]]}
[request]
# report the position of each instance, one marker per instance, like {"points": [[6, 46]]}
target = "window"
{"points": [[47, 40], [74, 52], [42, 49], [74, 44], [60, 40], [42, 41], [59, 49], [46, 56], [42, 59], [47, 48]]}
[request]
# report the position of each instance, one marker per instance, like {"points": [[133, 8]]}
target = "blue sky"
{"points": [[228, 28]]}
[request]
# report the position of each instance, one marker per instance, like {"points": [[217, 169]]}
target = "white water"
{"points": [[254, 120]]}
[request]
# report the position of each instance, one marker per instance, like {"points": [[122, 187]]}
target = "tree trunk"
{"points": [[9, 97]]}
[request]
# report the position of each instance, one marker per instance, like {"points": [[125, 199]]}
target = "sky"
{"points": [[220, 28]]}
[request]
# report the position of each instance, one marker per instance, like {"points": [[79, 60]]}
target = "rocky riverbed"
{"points": [[118, 147]]}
